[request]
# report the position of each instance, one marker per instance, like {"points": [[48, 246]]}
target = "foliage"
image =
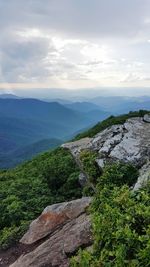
{"points": [[90, 166], [121, 223], [118, 174], [9, 236], [112, 120], [28, 189]]}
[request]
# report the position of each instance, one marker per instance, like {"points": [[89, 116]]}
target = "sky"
{"points": [[74, 44]]}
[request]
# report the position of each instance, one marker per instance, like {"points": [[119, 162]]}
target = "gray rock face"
{"points": [[78, 146], [144, 177], [82, 179], [147, 118], [101, 163], [129, 142], [53, 217]]}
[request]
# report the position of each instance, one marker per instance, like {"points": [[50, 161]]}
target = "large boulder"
{"points": [[58, 248], [53, 217], [144, 177], [82, 179], [147, 118], [60, 230]]}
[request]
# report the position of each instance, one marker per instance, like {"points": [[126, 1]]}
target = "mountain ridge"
{"points": [[25, 121]]}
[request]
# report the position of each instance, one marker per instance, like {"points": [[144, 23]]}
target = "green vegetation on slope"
{"points": [[112, 120], [28, 189], [121, 219], [120, 222]]}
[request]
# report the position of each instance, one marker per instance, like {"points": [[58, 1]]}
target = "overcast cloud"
{"points": [[75, 43]]}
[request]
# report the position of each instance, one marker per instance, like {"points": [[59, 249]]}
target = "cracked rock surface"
{"points": [[128, 142]]}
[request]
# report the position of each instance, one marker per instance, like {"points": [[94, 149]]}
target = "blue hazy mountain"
{"points": [[17, 156], [119, 104], [36, 111], [82, 106], [6, 96], [24, 122], [92, 111], [31, 126]]}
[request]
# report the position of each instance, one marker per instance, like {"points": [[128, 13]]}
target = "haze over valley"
{"points": [[30, 126]]}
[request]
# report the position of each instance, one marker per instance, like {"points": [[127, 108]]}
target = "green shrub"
{"points": [[120, 223], [28, 189], [58, 169], [89, 164], [10, 235], [119, 174]]}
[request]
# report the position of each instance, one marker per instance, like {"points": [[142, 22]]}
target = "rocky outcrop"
{"points": [[128, 142], [54, 217], [66, 227], [82, 179], [147, 118], [56, 251]]}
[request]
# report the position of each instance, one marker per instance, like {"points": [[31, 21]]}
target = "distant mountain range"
{"points": [[6, 96], [16, 156], [119, 104], [90, 110], [83, 106], [30, 126], [111, 104]]}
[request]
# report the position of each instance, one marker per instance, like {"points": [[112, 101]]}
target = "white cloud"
{"points": [[71, 43]]}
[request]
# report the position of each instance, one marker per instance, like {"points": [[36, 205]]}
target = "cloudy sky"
{"points": [[74, 43]]}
